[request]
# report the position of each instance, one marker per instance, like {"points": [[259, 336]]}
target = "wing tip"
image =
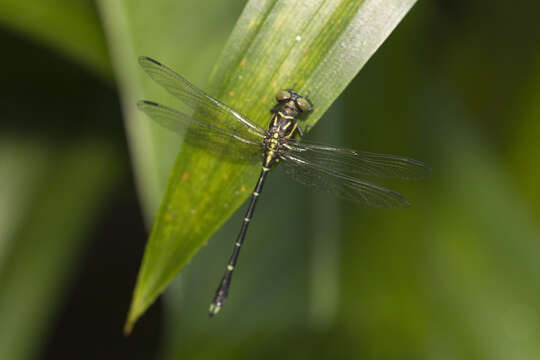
{"points": [[143, 59], [141, 104], [401, 201], [147, 102]]}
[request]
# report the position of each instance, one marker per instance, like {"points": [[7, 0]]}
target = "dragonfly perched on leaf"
{"points": [[219, 128]]}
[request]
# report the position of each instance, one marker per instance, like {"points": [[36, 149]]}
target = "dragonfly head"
{"points": [[294, 102]]}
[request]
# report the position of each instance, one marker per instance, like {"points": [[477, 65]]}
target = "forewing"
{"points": [[219, 141], [208, 107], [358, 163], [346, 187]]}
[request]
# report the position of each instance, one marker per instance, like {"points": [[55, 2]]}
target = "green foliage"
{"points": [[317, 47], [53, 181], [70, 27], [49, 230], [454, 276], [172, 32]]}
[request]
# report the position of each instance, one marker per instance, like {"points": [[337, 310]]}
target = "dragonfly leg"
{"points": [[300, 131]]}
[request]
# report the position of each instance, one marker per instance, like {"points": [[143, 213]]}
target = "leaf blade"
{"points": [[264, 53]]}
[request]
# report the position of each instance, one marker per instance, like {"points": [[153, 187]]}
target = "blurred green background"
{"points": [[456, 85]]}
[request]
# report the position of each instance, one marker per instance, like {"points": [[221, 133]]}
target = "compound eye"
{"points": [[304, 104], [283, 95]]}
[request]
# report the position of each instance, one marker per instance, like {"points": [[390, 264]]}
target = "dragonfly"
{"points": [[218, 128]]}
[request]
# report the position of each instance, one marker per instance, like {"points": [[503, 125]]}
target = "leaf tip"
{"points": [[130, 321], [128, 327]]}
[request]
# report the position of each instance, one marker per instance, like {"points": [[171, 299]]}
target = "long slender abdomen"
{"points": [[223, 289]]}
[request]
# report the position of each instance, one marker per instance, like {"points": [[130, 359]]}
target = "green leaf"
{"points": [[70, 27], [317, 47], [51, 195]]}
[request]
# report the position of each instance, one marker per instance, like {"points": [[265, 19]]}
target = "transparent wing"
{"points": [[341, 185], [358, 163], [204, 104], [203, 134]]}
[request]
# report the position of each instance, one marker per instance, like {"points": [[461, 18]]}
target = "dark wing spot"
{"points": [[147, 102], [150, 59]]}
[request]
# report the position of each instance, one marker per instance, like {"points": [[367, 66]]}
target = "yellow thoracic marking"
{"points": [[230, 267], [285, 116], [287, 125], [288, 136]]}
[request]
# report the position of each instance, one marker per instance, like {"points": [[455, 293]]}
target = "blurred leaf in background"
{"points": [[74, 29], [55, 174], [70, 27], [173, 32]]}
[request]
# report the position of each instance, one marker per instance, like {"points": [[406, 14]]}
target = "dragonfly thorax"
{"points": [[274, 144], [284, 123]]}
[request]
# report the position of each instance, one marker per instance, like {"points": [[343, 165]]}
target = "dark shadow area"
{"points": [[52, 102], [91, 321]]}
